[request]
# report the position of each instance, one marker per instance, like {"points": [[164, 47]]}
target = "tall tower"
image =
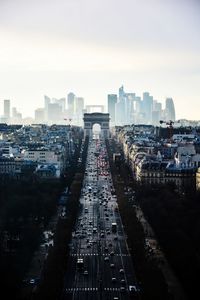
{"points": [[112, 100], [121, 92], [71, 103], [7, 110], [79, 107], [147, 107], [170, 110], [47, 101]]}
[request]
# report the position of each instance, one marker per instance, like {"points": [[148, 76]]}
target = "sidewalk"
{"points": [[154, 252], [34, 273]]}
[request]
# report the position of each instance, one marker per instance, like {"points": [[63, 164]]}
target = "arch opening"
{"points": [[96, 131]]}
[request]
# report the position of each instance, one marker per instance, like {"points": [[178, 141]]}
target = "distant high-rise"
{"points": [[14, 112], [54, 112], [147, 107], [39, 115], [7, 110], [71, 103], [16, 116], [130, 107], [61, 102], [156, 112], [112, 100], [47, 101], [121, 92], [170, 110], [120, 108], [120, 112], [79, 105]]}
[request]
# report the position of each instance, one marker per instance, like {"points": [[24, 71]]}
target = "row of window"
{"points": [[166, 175]]}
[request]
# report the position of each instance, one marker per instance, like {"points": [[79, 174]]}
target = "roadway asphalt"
{"points": [[107, 271]]}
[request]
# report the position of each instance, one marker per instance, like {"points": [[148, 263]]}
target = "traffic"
{"points": [[100, 265]]}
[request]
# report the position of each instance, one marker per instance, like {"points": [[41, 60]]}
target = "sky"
{"points": [[92, 47]]}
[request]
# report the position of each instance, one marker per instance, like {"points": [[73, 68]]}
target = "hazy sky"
{"points": [[91, 47]]}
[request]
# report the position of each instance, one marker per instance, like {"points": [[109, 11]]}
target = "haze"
{"points": [[91, 47]]}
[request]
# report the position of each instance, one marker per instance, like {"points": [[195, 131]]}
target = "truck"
{"points": [[114, 227]]}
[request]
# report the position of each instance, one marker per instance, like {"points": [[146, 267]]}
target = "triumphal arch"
{"points": [[102, 119]]}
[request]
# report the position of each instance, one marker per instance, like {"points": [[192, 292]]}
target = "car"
{"points": [[106, 258], [122, 289], [121, 271], [85, 272], [122, 281], [32, 281], [116, 298], [133, 289], [112, 265], [112, 253], [114, 280]]}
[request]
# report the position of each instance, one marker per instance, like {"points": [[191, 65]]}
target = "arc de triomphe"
{"points": [[102, 119]]}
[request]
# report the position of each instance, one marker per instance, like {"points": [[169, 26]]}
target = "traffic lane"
{"points": [[103, 224]]}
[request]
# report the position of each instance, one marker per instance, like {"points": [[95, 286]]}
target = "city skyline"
{"points": [[124, 108], [52, 48]]}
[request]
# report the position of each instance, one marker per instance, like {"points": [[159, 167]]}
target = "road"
{"points": [[107, 271]]}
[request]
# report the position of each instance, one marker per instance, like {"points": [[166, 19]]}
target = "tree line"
{"points": [[26, 207]]}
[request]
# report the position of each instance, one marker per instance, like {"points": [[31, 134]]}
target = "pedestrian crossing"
{"points": [[84, 289], [81, 289], [96, 254], [112, 289]]}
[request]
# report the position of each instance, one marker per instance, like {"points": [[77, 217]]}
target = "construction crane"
{"points": [[69, 119], [170, 126]]}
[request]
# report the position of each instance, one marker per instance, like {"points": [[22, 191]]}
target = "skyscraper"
{"points": [[7, 110], [129, 107], [54, 113], [170, 110], [39, 115], [61, 102], [120, 107], [47, 101], [79, 107], [71, 103], [112, 100], [147, 107], [121, 92], [156, 112], [16, 116]]}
